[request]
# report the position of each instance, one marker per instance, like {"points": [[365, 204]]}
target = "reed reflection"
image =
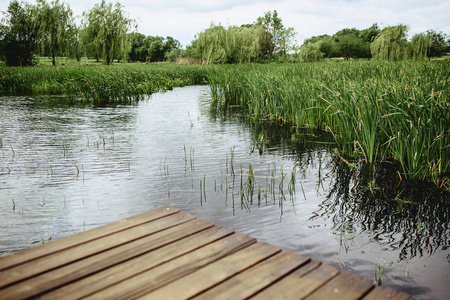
{"points": [[406, 216]]}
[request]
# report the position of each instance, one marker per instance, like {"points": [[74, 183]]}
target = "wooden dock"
{"points": [[168, 254]]}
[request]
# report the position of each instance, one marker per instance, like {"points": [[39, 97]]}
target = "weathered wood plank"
{"points": [[300, 283], [174, 269], [83, 237], [249, 282], [383, 292], [100, 261], [214, 273], [167, 254], [42, 264], [120, 272], [344, 286]]}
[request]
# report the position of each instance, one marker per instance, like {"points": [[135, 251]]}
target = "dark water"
{"points": [[67, 168]]}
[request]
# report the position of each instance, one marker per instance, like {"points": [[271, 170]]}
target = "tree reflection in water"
{"points": [[406, 216]]}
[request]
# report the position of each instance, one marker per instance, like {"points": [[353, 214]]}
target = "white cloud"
{"points": [[182, 19]]}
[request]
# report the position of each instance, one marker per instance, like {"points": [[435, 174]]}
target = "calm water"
{"points": [[67, 168]]}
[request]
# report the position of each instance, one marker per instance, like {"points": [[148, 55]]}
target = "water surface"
{"points": [[68, 168]]}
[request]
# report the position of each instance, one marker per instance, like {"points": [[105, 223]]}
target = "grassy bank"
{"points": [[99, 83], [376, 110]]}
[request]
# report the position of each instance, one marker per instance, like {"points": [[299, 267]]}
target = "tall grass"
{"points": [[99, 83], [395, 111]]}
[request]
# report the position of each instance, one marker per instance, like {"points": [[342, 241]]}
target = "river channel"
{"points": [[65, 168]]}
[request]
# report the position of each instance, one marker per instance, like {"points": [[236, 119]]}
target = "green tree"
{"points": [[328, 45], [286, 42], [438, 43], [391, 44], [350, 43], [210, 45], [274, 34], [420, 43], [310, 52], [55, 27], [105, 29], [369, 34], [155, 48], [138, 50], [18, 35], [218, 45]]}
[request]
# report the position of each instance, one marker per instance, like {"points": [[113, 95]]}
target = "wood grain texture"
{"points": [[43, 264], [214, 273], [138, 265], [176, 269], [384, 292], [249, 282], [343, 286], [300, 283], [167, 254], [83, 237], [97, 262]]}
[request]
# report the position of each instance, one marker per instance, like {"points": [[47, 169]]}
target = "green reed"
{"points": [[396, 111], [99, 83]]}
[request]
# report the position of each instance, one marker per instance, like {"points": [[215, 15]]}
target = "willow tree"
{"points": [[211, 44], [420, 44], [219, 45], [55, 27], [242, 44], [391, 44], [310, 52], [104, 31]]}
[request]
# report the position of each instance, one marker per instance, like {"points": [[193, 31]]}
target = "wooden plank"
{"points": [[300, 283], [167, 254], [384, 292], [120, 272], [43, 264], [214, 273], [83, 237], [344, 286], [177, 268], [100, 261], [249, 282]]}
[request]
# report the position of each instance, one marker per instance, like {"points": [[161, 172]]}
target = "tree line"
{"points": [[106, 34], [49, 29], [389, 43]]}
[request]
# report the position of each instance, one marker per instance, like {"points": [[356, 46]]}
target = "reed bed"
{"points": [[380, 111], [397, 111], [99, 83]]}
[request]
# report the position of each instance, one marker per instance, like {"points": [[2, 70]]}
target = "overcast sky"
{"points": [[182, 19]]}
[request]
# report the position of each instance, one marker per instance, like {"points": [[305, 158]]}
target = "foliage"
{"points": [[420, 45], [275, 36], [233, 45], [56, 27], [310, 52], [104, 31], [438, 44], [347, 43], [243, 44], [18, 35], [391, 44], [138, 50]]}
